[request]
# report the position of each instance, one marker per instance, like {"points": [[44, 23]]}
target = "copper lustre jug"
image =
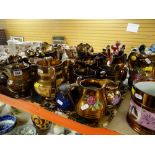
{"points": [[93, 102], [18, 75], [45, 86]]}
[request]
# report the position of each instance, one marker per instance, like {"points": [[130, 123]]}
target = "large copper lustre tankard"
{"points": [[141, 113]]}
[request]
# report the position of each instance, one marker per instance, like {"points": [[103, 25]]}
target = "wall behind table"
{"points": [[98, 33], [2, 24]]}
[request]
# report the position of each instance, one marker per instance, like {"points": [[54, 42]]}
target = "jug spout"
{"points": [[104, 82]]}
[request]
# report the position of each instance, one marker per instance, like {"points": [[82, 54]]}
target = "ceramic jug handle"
{"points": [[106, 92], [72, 86], [7, 75], [3, 79]]}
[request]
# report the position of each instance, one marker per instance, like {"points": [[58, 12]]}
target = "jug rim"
{"points": [[13, 66], [144, 91], [58, 62], [92, 80]]}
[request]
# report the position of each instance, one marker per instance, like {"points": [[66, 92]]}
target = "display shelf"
{"points": [[119, 122], [36, 109]]}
